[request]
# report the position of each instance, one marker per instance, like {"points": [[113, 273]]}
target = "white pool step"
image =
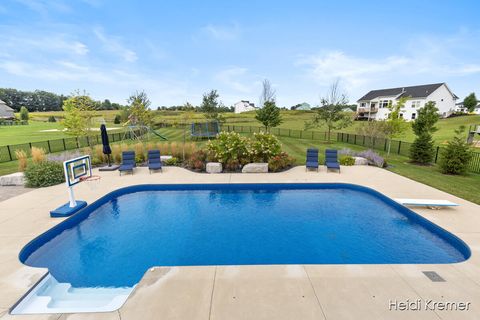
{"points": [[51, 296]]}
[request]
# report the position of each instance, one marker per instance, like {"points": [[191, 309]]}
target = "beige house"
{"points": [[6, 112]]}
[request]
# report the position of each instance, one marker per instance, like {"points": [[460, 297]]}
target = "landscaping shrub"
{"points": [[263, 147], [52, 119], [457, 155], [171, 162], [280, 162], [139, 152], [232, 165], [44, 174], [117, 119], [163, 147], [24, 114], [116, 153], [197, 160], [373, 158], [38, 155], [22, 156], [228, 148], [422, 150], [347, 161]]}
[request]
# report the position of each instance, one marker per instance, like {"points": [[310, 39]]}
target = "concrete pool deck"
{"points": [[260, 292]]}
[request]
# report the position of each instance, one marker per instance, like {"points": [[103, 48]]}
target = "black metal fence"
{"points": [[7, 153]]}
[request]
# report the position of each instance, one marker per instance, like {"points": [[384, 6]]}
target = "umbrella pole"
{"points": [[108, 157]]}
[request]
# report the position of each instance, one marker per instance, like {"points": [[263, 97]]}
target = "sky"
{"points": [[177, 50]]}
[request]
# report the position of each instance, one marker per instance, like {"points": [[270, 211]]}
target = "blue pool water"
{"points": [[115, 240]]}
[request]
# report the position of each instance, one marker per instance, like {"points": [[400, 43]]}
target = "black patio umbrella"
{"points": [[105, 143]]}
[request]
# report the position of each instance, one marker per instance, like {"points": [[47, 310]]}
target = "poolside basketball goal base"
{"points": [[76, 170]]}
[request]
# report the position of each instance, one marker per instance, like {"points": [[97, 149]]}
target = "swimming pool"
{"points": [[112, 242]]}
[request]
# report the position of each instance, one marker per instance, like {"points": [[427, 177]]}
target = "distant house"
{"points": [[244, 106], [374, 105], [6, 112], [459, 107]]}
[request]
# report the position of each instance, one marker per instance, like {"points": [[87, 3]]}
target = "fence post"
{"points": [[364, 140], [49, 148], [355, 139], [9, 152], [385, 146], [64, 145], [399, 146], [436, 154], [88, 142]]}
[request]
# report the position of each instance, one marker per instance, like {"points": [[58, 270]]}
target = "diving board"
{"points": [[430, 203]]}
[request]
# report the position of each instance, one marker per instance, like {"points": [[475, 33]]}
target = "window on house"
{"points": [[362, 105], [401, 115], [416, 104], [372, 105], [414, 115], [384, 103]]}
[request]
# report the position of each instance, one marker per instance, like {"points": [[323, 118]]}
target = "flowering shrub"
{"points": [[347, 161], [227, 147], [197, 160], [263, 147], [280, 162], [372, 157]]}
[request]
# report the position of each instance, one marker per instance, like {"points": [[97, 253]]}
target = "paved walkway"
{"points": [[260, 292], [7, 192]]}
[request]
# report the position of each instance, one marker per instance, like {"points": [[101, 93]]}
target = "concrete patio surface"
{"points": [[259, 292]]}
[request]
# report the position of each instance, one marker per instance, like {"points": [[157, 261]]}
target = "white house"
{"points": [[460, 108], [6, 112], [374, 105], [244, 106]]}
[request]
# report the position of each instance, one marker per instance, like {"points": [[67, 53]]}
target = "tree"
{"points": [[268, 93], [211, 106], [24, 114], [331, 112], [106, 105], [139, 109], [269, 115], [79, 111], [422, 150], [395, 124], [470, 102], [456, 155]]}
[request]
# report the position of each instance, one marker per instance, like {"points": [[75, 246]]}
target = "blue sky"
{"points": [[177, 50]]}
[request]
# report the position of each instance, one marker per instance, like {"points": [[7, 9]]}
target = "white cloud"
{"points": [[223, 33], [114, 45], [233, 78]]}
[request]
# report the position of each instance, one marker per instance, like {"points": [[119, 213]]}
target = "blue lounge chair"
{"points": [[312, 159], [154, 162], [128, 161], [331, 160]]}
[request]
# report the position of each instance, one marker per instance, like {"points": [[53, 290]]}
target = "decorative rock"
{"points": [[14, 179], [255, 168], [359, 161], [214, 167]]}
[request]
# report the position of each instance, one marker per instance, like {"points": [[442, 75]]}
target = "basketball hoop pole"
{"points": [[73, 203]]}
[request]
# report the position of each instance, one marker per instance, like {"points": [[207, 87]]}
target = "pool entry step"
{"points": [[51, 296]]}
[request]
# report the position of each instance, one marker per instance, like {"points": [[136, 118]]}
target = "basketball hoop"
{"points": [[92, 181]]}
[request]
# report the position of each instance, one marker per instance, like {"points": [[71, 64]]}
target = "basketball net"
{"points": [[92, 181]]}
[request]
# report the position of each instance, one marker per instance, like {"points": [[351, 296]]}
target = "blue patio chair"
{"points": [[154, 162], [128, 162], [331, 160], [312, 159]]}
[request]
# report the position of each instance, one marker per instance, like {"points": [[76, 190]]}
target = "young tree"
{"points": [[211, 106], [268, 93], [79, 111], [470, 102], [331, 112], [395, 125], [456, 155], [422, 150], [269, 115], [139, 111], [24, 113]]}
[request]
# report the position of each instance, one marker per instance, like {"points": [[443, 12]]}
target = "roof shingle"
{"points": [[413, 91]]}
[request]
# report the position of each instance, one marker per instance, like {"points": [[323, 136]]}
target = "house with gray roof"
{"points": [[6, 112], [375, 104]]}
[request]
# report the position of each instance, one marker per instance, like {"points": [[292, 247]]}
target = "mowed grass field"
{"points": [[38, 129]]}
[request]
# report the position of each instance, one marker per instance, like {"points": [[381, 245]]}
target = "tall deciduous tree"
{"points": [[331, 112], [269, 115], [139, 112], [211, 106], [79, 112], [395, 124], [470, 102], [268, 93], [422, 150]]}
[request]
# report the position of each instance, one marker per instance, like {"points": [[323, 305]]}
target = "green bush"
{"points": [[24, 113], [457, 155], [229, 146], [44, 174], [280, 162], [171, 162], [118, 119], [52, 119], [263, 147], [197, 160], [347, 161], [422, 150]]}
